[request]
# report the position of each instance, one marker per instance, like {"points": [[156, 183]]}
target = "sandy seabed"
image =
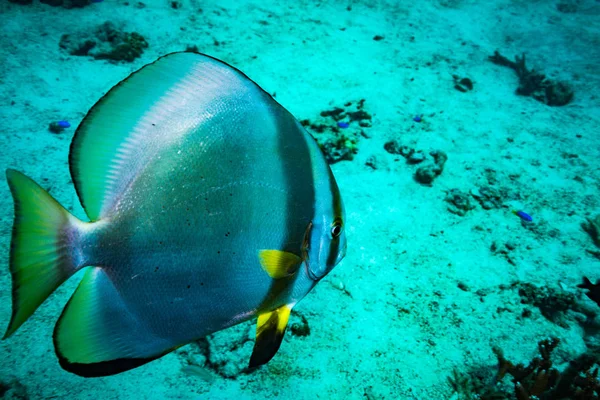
{"points": [[426, 291]]}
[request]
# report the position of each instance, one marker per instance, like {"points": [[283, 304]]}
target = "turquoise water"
{"points": [[435, 141]]}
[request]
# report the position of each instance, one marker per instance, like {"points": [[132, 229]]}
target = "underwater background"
{"points": [[464, 136]]}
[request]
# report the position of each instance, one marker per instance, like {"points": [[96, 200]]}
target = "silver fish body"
{"points": [[209, 205]]}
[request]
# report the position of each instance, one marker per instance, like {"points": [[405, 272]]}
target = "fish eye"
{"points": [[336, 229]]}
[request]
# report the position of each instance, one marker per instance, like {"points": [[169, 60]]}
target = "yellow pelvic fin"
{"points": [[279, 264], [270, 329]]}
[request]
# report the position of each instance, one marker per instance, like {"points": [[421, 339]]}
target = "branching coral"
{"points": [[535, 84], [536, 378]]}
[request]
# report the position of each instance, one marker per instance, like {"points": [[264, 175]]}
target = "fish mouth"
{"points": [[316, 276], [311, 274]]}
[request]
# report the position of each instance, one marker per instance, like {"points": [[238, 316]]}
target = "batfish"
{"points": [[208, 205]]}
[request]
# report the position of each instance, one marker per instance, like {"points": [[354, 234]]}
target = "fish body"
{"points": [[524, 216], [209, 205]]}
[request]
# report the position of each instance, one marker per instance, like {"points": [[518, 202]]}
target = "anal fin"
{"points": [[98, 334], [270, 329]]}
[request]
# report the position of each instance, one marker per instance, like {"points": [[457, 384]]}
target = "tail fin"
{"points": [[41, 257]]}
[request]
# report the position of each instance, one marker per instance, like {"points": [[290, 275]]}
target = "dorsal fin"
{"points": [[154, 106]]}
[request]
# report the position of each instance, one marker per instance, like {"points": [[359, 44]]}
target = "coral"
{"points": [[12, 389], [592, 227], [299, 324], [392, 147], [227, 352], [428, 172], [67, 3], [406, 151], [593, 289], [105, 43], [568, 7], [504, 250], [459, 203], [469, 387], [338, 130], [415, 157], [488, 197], [538, 380], [339, 148], [534, 84], [127, 47], [530, 381], [372, 162], [586, 386], [337, 113], [552, 303], [462, 84], [440, 158]]}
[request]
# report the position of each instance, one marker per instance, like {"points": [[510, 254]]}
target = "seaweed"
{"points": [[535, 84]]}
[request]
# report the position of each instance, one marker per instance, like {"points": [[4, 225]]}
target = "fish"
{"points": [[523, 215], [207, 203]]}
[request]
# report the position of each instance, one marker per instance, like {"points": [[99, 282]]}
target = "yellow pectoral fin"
{"points": [[279, 264], [270, 329]]}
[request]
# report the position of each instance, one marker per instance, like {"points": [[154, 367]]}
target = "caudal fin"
{"points": [[44, 236]]}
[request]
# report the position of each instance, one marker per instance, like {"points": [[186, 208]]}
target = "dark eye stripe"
{"points": [[335, 196], [333, 252]]}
